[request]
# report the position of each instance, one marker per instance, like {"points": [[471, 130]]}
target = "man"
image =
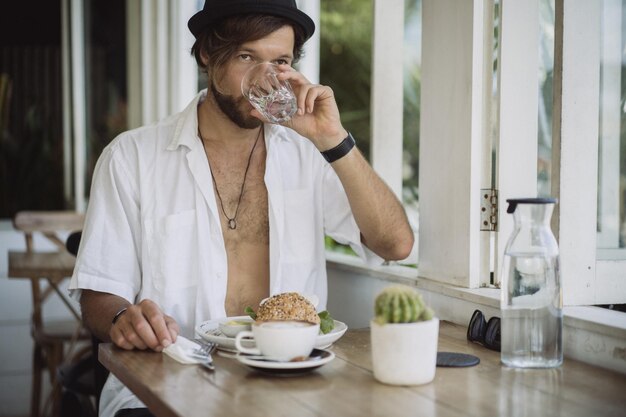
{"points": [[212, 210]]}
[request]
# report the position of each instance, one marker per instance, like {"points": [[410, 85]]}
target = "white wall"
{"points": [[351, 294]]}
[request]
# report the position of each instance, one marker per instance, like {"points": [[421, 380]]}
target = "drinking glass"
{"points": [[273, 98]]}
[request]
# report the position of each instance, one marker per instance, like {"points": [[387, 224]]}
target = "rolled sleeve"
{"points": [[108, 256]]}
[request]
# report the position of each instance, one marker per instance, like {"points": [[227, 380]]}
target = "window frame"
{"points": [[387, 92], [587, 278], [455, 131], [452, 250]]}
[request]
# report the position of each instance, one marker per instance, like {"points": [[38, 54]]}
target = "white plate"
{"points": [[325, 340], [209, 331], [317, 358]]}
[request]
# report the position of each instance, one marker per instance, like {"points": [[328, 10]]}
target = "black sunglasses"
{"points": [[486, 333]]}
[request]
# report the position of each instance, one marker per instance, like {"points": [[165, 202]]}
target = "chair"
{"points": [[53, 340]]}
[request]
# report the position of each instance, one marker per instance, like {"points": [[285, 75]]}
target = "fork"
{"points": [[205, 347], [203, 353], [204, 360]]}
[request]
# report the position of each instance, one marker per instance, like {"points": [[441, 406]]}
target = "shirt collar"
{"points": [[186, 132]]}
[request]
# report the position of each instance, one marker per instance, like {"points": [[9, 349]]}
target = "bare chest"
{"points": [[242, 201]]}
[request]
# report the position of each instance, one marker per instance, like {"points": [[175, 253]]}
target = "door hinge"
{"points": [[489, 209]]}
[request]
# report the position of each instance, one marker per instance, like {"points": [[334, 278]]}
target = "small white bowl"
{"points": [[230, 327]]}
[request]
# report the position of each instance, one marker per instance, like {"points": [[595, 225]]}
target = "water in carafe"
{"points": [[531, 303]]}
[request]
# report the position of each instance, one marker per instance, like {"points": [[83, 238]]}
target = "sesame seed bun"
{"points": [[287, 306]]}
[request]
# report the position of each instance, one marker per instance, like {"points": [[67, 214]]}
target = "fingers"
{"points": [[153, 329], [124, 335], [144, 326], [317, 117], [300, 84], [311, 95], [172, 327], [307, 93]]}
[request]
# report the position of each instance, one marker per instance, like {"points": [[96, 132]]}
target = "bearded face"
{"points": [[237, 109]]}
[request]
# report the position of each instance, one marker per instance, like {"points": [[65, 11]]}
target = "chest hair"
{"points": [[252, 216]]}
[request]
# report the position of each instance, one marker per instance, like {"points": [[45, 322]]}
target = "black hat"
{"points": [[214, 10]]}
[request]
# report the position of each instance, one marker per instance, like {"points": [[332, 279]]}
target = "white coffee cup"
{"points": [[280, 340]]}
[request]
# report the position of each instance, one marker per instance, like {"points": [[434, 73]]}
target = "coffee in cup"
{"points": [[280, 340]]}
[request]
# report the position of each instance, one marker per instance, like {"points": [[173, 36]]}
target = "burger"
{"points": [[291, 306], [287, 306]]}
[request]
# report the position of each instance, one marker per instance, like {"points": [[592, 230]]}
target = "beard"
{"points": [[233, 108]]}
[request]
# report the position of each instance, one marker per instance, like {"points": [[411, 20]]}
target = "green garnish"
{"points": [[326, 322], [249, 311]]}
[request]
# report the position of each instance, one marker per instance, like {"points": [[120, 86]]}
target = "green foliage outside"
{"points": [[346, 62], [346, 65]]}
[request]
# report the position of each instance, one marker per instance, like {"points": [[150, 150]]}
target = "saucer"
{"points": [[317, 358], [209, 331]]}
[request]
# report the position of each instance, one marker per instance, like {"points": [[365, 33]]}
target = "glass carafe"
{"points": [[531, 301]]}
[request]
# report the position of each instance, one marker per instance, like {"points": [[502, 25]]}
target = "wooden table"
{"points": [[346, 386]]}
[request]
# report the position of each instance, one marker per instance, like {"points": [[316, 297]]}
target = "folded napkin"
{"points": [[184, 351]]}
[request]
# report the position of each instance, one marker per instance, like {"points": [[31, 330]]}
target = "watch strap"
{"points": [[340, 150]]}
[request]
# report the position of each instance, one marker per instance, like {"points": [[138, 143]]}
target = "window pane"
{"points": [[612, 142], [346, 62]]}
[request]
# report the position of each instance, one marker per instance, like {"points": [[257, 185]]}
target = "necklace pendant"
{"points": [[232, 224]]}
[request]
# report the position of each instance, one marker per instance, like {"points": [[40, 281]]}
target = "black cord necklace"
{"points": [[232, 221]]}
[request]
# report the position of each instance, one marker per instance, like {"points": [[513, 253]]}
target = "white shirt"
{"points": [[153, 229]]}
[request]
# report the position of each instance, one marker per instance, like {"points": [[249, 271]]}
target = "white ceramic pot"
{"points": [[405, 353]]}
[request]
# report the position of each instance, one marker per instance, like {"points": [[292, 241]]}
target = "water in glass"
{"points": [[273, 98]]}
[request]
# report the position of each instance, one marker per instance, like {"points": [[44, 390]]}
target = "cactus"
{"points": [[400, 304]]}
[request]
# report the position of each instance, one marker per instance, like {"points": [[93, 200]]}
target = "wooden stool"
{"points": [[51, 268]]}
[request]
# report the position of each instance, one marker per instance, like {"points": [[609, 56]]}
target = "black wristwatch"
{"points": [[340, 150]]}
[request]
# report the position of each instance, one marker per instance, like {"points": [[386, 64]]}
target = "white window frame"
{"points": [[455, 141], [74, 92], [162, 75], [387, 92], [587, 277], [455, 129], [456, 120], [309, 65], [518, 106]]}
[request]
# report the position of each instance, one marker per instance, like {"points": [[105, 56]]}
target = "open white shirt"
{"points": [[153, 229]]}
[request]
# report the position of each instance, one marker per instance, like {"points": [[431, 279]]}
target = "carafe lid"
{"points": [[513, 202]]}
